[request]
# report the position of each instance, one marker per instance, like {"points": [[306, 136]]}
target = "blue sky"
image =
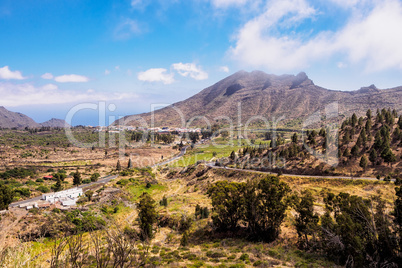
{"points": [[56, 54]]}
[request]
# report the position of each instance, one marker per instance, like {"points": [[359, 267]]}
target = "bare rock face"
{"points": [[269, 96], [10, 119]]}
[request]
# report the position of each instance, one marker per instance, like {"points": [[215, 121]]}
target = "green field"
{"points": [[215, 149]]}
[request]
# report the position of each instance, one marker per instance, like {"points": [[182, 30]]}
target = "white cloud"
{"points": [[371, 39], [156, 75], [227, 3], [47, 76], [5, 73], [224, 69], [117, 67], [350, 3], [375, 39], [71, 78], [27, 94], [139, 4], [127, 29], [50, 87], [190, 69], [107, 72]]}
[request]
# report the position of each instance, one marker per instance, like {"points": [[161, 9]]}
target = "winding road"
{"points": [[100, 181], [182, 152], [212, 165]]}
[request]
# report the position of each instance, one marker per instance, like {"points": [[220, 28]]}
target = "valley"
{"points": [[284, 193]]}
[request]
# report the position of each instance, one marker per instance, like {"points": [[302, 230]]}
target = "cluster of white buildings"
{"points": [[66, 198], [163, 130]]}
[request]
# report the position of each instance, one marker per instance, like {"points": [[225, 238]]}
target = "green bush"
{"points": [[23, 191], [43, 189], [19, 173], [95, 177], [244, 257], [123, 182]]}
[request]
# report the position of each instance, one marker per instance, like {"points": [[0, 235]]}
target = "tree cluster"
{"points": [[353, 231], [257, 206]]}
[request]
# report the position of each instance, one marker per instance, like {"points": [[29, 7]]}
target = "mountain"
{"points": [[10, 119], [53, 123], [15, 120], [270, 96]]}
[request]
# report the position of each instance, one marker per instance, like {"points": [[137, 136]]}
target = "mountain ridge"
{"points": [[18, 120], [269, 96]]}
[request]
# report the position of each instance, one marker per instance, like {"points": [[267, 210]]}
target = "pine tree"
{"points": [[130, 163], [368, 126], [57, 186], [363, 162], [355, 150], [388, 155], [147, 216], [373, 156], [232, 155], [118, 166], [368, 114], [184, 239], [205, 212], [400, 122], [397, 133], [306, 221], [77, 178], [378, 141], [360, 122], [294, 138], [354, 120], [363, 136], [322, 132]]}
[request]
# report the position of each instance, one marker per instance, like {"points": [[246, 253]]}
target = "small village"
{"points": [[159, 130], [62, 199]]}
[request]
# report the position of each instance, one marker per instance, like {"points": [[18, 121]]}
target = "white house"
{"points": [[66, 197]]}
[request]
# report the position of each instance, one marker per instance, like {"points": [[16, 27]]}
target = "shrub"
{"points": [[123, 182], [23, 191], [95, 177], [43, 189], [244, 257]]}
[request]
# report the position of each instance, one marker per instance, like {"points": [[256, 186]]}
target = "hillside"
{"points": [[55, 123], [10, 119], [367, 146], [270, 96]]}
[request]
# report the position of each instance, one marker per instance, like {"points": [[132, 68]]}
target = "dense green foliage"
{"points": [[6, 196], [18, 173], [353, 231], [77, 180], [147, 216], [261, 205]]}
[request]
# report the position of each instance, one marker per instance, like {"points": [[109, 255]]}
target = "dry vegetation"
{"points": [[103, 231]]}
